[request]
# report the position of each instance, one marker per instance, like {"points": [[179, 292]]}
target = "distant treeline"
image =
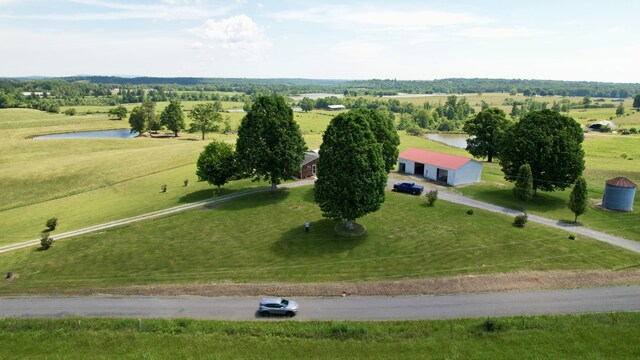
{"points": [[107, 90]]}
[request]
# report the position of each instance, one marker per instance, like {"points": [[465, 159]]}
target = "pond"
{"points": [[455, 140], [114, 134]]}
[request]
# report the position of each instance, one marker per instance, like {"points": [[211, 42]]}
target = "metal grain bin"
{"points": [[619, 194]]}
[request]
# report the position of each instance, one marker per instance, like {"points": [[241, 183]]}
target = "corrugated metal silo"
{"points": [[619, 194]]}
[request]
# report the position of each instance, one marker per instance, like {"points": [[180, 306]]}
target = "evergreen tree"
{"points": [[523, 186], [351, 169], [270, 145], [578, 200]]}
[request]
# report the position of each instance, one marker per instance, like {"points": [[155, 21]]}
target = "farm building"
{"points": [[602, 124], [336, 107], [309, 164], [619, 194], [451, 169]]}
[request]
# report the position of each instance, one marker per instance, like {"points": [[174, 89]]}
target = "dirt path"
{"points": [[520, 281], [151, 215]]}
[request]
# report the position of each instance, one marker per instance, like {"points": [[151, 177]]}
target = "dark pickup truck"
{"points": [[408, 187]]}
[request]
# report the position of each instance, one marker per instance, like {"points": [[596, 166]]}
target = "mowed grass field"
{"points": [[584, 337], [261, 238]]}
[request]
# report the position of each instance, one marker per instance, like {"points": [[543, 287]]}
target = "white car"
{"points": [[277, 306]]}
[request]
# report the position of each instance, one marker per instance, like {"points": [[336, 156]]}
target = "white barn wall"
{"points": [[431, 172], [468, 173], [410, 166]]}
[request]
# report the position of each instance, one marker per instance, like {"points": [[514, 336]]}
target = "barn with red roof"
{"points": [[446, 168]]}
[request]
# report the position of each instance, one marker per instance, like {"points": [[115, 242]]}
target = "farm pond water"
{"points": [[102, 134], [455, 140]]}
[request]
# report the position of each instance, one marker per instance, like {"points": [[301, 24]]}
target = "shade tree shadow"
{"points": [[321, 239]]}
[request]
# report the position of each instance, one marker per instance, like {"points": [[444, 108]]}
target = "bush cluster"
{"points": [[432, 196], [520, 220]]}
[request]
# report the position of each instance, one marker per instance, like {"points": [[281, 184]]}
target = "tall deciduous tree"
{"points": [[351, 169], [485, 130], [149, 110], [578, 200], [172, 117], [217, 163], [384, 130], [620, 110], [306, 104], [204, 118], [523, 186], [270, 145], [137, 120], [550, 143]]}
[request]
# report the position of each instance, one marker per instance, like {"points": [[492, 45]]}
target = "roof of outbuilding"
{"points": [[309, 156], [622, 182], [442, 160]]}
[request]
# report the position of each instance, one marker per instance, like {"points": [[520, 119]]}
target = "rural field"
{"points": [[86, 182], [597, 336]]}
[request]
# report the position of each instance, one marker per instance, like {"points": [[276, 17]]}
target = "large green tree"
{"points": [[217, 163], [306, 104], [579, 199], [351, 169], [149, 110], [485, 130], [204, 118], [550, 143], [270, 145], [172, 117], [137, 120], [385, 132]]}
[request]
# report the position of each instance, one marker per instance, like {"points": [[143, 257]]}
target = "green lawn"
{"points": [[261, 238], [584, 337], [603, 162]]}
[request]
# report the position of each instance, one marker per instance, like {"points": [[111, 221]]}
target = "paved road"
{"points": [[603, 299]]}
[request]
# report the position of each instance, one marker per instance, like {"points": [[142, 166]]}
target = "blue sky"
{"points": [[422, 40]]}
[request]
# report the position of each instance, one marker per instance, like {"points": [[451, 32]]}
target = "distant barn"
{"points": [[451, 169]]}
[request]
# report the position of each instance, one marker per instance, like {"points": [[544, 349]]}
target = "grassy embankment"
{"points": [[598, 336], [261, 238]]}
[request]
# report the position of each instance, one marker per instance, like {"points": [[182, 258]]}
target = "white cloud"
{"points": [[501, 33], [379, 19], [239, 35], [357, 51]]}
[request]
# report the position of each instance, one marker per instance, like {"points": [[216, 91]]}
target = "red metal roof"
{"points": [[434, 158], [622, 182]]}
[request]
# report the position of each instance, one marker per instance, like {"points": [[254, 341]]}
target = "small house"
{"points": [[308, 168], [446, 168], [336, 107]]}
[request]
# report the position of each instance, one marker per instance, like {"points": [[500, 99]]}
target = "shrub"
{"points": [[46, 241], [490, 325], [70, 111], [624, 132], [432, 196], [633, 130], [52, 224], [572, 236], [414, 130], [520, 220], [624, 156], [470, 212]]}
